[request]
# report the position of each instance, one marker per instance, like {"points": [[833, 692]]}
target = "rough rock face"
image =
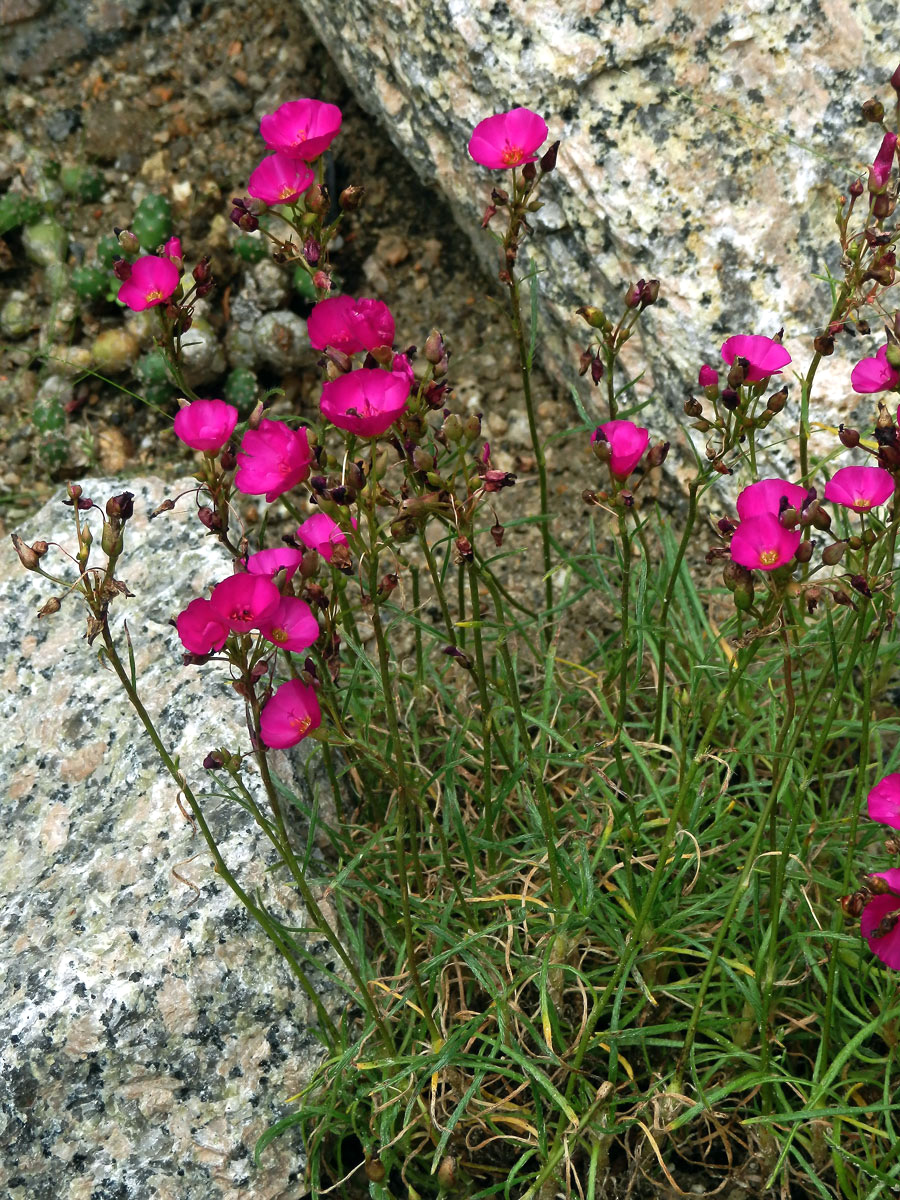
{"points": [[701, 147], [148, 1032]]}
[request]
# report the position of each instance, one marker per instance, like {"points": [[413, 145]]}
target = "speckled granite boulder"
{"points": [[701, 146], [148, 1033]]}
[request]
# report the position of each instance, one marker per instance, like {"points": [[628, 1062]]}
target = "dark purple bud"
{"points": [[548, 159]]}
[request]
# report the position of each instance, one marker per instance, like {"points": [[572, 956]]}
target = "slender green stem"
{"points": [[693, 490], [485, 703], [624, 633], [515, 312], [259, 914]]}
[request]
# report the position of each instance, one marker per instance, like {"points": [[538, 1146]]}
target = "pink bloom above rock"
{"points": [[765, 356], [707, 377], [301, 129], [860, 488], [508, 140], [278, 558], [874, 374], [366, 402], [884, 801], [280, 180], [243, 601], [627, 442], [152, 281], [291, 626], [290, 715], [206, 424], [322, 534], [763, 543], [765, 496], [877, 924], [272, 460], [880, 171], [350, 325], [200, 627]]}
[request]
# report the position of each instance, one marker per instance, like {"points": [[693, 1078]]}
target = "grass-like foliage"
{"points": [[596, 825]]}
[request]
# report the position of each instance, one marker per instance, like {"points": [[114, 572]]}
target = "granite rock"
{"points": [[700, 146], [148, 1032]]}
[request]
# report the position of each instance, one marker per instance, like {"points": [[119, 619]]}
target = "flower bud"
{"points": [[122, 269], [111, 542], [849, 437], [633, 295], [734, 575], [730, 399], [855, 189], [322, 281], [812, 596], [52, 606], [256, 416], [128, 241], [375, 1170], [821, 519], [434, 347], [824, 344], [738, 372], [873, 110], [548, 159], [351, 198], [804, 552], [452, 428], [859, 583], [228, 459], [202, 272], [28, 555], [789, 517], [121, 507], [649, 293], [312, 251], [656, 455], [595, 317], [529, 171], [464, 552], [497, 532], [693, 407], [777, 401], [597, 370], [209, 518], [472, 426]]}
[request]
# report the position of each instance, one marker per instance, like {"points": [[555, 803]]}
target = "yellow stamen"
{"points": [[768, 557]]}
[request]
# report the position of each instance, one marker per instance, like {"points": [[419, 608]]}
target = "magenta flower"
{"points": [[508, 140], [880, 171], [765, 496], [763, 543], [874, 374], [279, 179], [290, 715], [243, 601], [301, 128], [152, 281], [766, 357], [707, 377], [884, 801], [322, 534], [200, 627], [350, 325], [206, 424], [291, 626], [627, 442], [860, 488], [272, 460], [878, 927], [401, 365], [366, 402], [270, 562]]}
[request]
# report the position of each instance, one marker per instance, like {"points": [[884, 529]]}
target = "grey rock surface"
{"points": [[148, 1032], [700, 145]]}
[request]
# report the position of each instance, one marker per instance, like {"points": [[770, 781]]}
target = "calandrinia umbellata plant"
{"points": [[595, 840]]}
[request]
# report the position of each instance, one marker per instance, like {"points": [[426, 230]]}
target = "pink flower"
{"points": [[350, 325], [206, 424], [766, 357], [765, 496], [152, 281], [172, 250], [860, 488], [366, 402], [243, 601], [508, 140], [874, 374], [884, 801], [270, 562], [272, 460], [401, 365], [290, 715], [763, 543], [627, 442], [301, 128], [200, 627], [322, 534], [880, 171], [707, 377], [876, 925], [279, 179], [291, 626]]}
